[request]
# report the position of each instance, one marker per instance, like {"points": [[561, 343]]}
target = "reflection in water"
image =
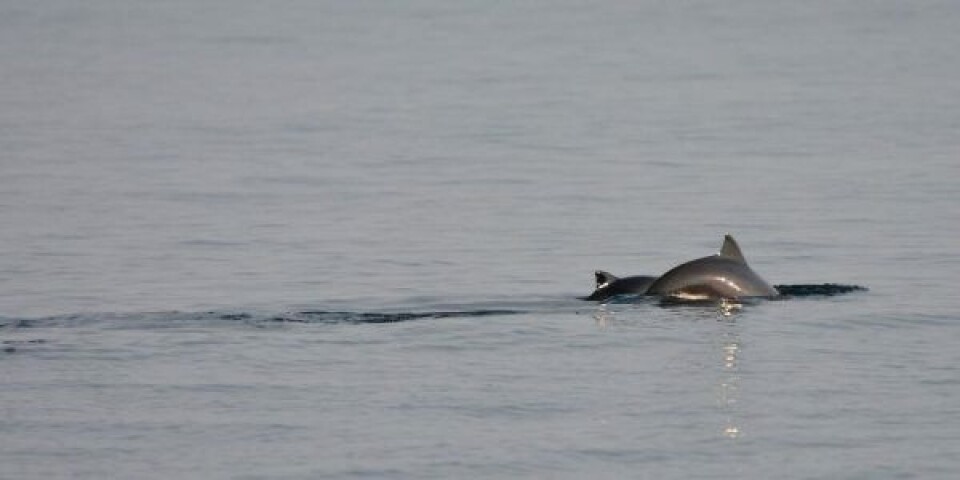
{"points": [[729, 386], [603, 316], [728, 337]]}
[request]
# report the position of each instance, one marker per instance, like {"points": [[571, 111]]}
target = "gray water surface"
{"points": [[335, 239]]}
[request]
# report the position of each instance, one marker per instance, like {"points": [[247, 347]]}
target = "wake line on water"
{"points": [[817, 289], [305, 317], [159, 319], [324, 316]]}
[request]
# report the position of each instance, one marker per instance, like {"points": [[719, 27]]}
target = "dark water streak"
{"points": [[817, 289]]}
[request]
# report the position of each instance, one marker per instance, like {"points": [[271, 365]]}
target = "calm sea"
{"points": [[345, 239]]}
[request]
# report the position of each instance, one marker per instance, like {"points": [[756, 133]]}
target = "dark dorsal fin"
{"points": [[731, 250], [604, 278]]}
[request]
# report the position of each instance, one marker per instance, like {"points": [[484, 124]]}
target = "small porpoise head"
{"points": [[725, 275], [608, 285]]}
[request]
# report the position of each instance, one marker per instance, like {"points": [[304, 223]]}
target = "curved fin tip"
{"points": [[731, 250]]}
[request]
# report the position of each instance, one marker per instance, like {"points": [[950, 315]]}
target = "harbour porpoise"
{"points": [[725, 275], [609, 285]]}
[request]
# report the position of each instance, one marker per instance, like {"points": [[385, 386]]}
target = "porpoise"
{"points": [[725, 275], [609, 285]]}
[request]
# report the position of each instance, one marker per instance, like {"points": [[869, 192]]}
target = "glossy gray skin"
{"points": [[712, 278], [722, 276], [609, 285]]}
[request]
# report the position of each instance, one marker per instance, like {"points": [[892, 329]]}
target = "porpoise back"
{"points": [[725, 275]]}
